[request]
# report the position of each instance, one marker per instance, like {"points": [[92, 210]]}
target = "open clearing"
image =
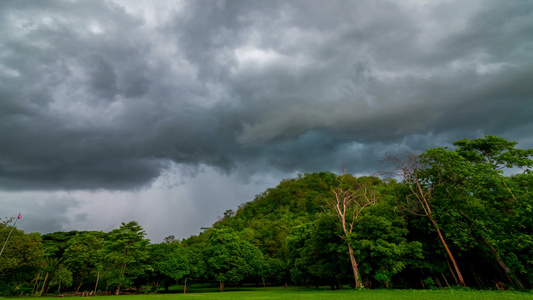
{"points": [[311, 293]]}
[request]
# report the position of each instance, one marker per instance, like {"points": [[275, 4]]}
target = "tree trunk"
{"points": [[500, 262], [59, 287], [79, 286], [122, 271], [44, 284], [36, 284], [221, 286], [354, 267], [437, 281], [185, 289], [81, 281], [264, 286], [508, 189], [478, 281], [495, 253], [96, 285], [451, 271], [445, 280], [450, 255], [367, 283]]}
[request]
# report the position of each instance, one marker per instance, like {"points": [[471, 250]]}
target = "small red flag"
{"points": [[19, 217]]}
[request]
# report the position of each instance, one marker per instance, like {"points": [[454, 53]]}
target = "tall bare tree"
{"points": [[348, 203], [418, 202]]}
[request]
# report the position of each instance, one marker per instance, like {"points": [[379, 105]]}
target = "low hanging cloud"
{"points": [[109, 95]]}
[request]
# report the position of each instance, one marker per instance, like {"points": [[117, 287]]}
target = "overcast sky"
{"points": [[171, 112]]}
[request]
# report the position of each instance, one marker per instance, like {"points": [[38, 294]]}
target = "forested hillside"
{"points": [[459, 216]]}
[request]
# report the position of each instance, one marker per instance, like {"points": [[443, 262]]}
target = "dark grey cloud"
{"points": [[93, 96]]}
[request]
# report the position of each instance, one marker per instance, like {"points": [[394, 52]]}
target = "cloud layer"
{"points": [[110, 96]]}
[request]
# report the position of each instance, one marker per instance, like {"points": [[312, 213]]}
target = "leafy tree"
{"points": [[465, 193], [350, 200], [20, 260], [230, 259], [381, 245], [62, 276], [274, 269], [316, 254], [126, 252], [491, 201], [169, 262], [419, 201], [195, 249], [56, 243], [49, 267], [84, 254], [169, 239], [266, 221]]}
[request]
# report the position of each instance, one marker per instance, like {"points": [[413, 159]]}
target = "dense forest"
{"points": [[458, 216]]}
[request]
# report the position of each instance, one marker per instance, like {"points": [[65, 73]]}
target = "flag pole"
{"points": [[15, 224]]}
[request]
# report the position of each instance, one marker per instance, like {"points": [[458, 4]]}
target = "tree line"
{"points": [[445, 217]]}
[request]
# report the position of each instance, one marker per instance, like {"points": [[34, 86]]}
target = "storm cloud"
{"points": [[110, 96]]}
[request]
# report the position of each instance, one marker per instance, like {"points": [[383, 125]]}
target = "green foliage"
{"points": [[84, 255], [126, 253], [169, 262], [56, 243], [496, 151], [231, 259], [21, 258], [61, 277], [266, 221], [381, 244], [481, 211], [317, 255]]}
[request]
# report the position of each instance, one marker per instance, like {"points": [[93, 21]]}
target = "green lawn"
{"points": [[311, 293]]}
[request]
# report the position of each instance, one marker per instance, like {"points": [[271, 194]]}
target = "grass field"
{"points": [[311, 293]]}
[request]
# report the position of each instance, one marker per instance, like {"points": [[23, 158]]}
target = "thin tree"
{"points": [[418, 202], [348, 203]]}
